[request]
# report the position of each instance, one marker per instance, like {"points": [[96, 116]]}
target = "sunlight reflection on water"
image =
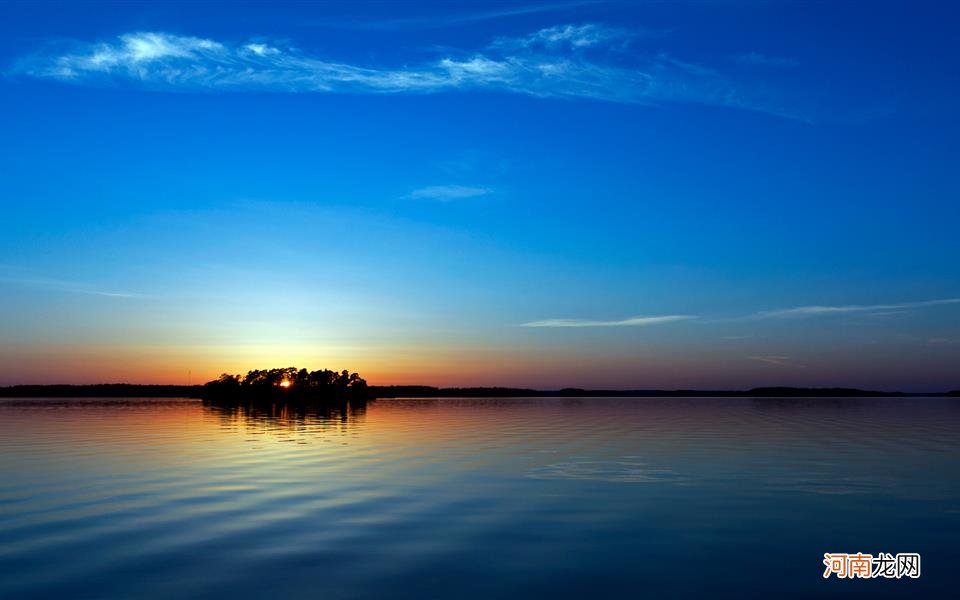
{"points": [[472, 497]]}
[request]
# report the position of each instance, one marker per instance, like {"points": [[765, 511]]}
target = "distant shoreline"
{"points": [[119, 390]]}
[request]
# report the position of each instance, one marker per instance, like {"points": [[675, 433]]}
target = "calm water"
{"points": [[480, 498]]}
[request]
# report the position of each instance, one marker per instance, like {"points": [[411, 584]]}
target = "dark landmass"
{"points": [[128, 390], [420, 391], [101, 390]]}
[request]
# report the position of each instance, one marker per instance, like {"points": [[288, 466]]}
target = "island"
{"points": [[287, 384]]}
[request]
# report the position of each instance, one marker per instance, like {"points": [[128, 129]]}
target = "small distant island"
{"points": [[287, 384]]}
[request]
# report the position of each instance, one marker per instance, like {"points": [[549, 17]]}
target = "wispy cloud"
{"points": [[448, 192], [819, 310], [573, 37], [756, 59], [779, 361], [546, 63], [630, 322], [447, 20], [73, 287], [796, 312]]}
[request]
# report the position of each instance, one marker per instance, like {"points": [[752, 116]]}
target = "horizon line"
{"points": [[568, 389]]}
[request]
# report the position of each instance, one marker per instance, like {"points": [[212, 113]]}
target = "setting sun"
{"points": [[286, 383]]}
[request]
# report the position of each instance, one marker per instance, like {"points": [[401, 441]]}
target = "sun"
{"points": [[286, 383]]}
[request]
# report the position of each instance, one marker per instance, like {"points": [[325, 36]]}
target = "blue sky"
{"points": [[548, 194]]}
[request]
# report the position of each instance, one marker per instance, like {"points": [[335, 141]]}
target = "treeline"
{"points": [[422, 391], [289, 384]]}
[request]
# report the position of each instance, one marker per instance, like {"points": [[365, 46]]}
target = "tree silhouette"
{"points": [[287, 383]]}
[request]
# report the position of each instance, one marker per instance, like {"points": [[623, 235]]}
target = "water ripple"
{"points": [[466, 498]]}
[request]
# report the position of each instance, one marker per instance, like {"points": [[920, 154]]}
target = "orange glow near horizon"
{"points": [[286, 383], [437, 364], [142, 364]]}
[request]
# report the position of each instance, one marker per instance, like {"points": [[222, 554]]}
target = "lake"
{"points": [[475, 498]]}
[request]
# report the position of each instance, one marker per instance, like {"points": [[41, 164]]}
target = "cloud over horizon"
{"points": [[776, 360], [630, 322], [73, 287], [799, 311], [818, 310]]}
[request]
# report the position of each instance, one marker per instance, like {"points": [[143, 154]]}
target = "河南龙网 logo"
{"points": [[867, 566]]}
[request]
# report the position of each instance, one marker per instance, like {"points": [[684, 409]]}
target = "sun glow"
{"points": [[286, 383]]}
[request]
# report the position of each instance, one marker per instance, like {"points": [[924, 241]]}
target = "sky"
{"points": [[700, 195]]}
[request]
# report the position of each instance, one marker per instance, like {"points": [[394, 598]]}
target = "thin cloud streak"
{"points": [[572, 37], [779, 361], [755, 59], [448, 192], [630, 322], [817, 310], [464, 18], [555, 62], [72, 287], [796, 312]]}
